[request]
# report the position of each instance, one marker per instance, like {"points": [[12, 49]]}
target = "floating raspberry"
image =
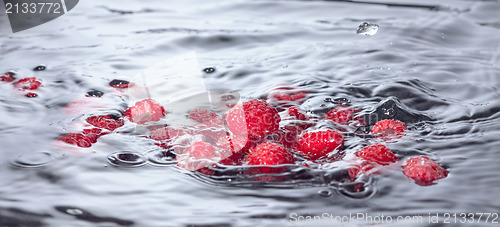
{"points": [[145, 111], [8, 77], [234, 143], [297, 113], [93, 134], [318, 144], [377, 153], [387, 129], [199, 156], [30, 83], [340, 114], [423, 170], [109, 122], [285, 95], [78, 139], [206, 116], [253, 119], [269, 154], [120, 84]]}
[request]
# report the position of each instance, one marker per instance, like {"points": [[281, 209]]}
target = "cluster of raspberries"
{"points": [[256, 135]]}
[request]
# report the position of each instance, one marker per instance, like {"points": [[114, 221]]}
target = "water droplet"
{"points": [[389, 112], [40, 68], [120, 84], [325, 193], [74, 211], [209, 70], [366, 28], [227, 97], [322, 105], [328, 99], [341, 101], [127, 159], [31, 95], [161, 157], [94, 93], [309, 112], [33, 160]]}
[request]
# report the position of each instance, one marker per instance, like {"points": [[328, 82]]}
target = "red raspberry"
{"points": [[93, 134], [30, 83], [120, 84], [108, 122], [78, 139], [199, 156], [319, 144], [284, 95], [297, 113], [145, 111], [253, 119], [8, 77], [287, 135], [269, 154], [235, 159], [423, 170], [340, 114], [361, 167], [169, 136], [377, 153], [206, 116], [386, 129], [234, 143]]}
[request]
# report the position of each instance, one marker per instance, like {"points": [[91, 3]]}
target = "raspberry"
{"points": [[206, 116], [78, 139], [30, 83], [340, 114], [285, 95], [287, 134], [386, 129], [8, 77], [319, 144], [168, 136], [297, 113], [145, 111], [93, 134], [234, 143], [253, 119], [377, 153], [423, 170], [120, 84], [361, 167], [269, 154], [109, 122], [199, 156]]}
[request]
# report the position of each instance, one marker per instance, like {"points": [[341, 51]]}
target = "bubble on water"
{"points": [[325, 193], [40, 68], [127, 159], [33, 160], [366, 28], [328, 99], [75, 211], [389, 112], [161, 157], [342, 101], [94, 93], [120, 84], [227, 98], [209, 70]]}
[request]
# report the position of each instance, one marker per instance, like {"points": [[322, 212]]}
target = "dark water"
{"points": [[435, 62]]}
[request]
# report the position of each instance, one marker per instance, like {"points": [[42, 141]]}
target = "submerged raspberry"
{"points": [[253, 119], [318, 144], [8, 77], [109, 122], [377, 153], [423, 170], [30, 83], [145, 111]]}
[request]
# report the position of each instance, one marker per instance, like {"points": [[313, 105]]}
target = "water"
{"points": [[433, 65]]}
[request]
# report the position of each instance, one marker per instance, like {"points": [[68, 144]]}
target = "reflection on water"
{"points": [[432, 65]]}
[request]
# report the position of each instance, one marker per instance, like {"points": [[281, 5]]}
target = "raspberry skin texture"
{"points": [[206, 116], [286, 95], [8, 77], [200, 156], [269, 153], [388, 128], [108, 122], [297, 113], [144, 111], [29, 83], [318, 144], [340, 114], [78, 139], [253, 119], [377, 153], [423, 170]]}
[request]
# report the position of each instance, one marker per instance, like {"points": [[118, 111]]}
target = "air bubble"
{"points": [[127, 159], [33, 160], [94, 93], [209, 70], [389, 112], [40, 68], [74, 211], [366, 28]]}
